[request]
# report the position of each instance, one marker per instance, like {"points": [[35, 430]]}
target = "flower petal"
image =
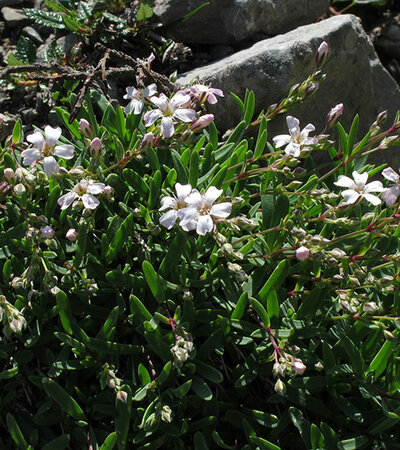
{"points": [[188, 218], [167, 127], [374, 186], [89, 201], [212, 194], [151, 116], [360, 178], [186, 115], [293, 149], [390, 174], [195, 199], [95, 188], [64, 151], [168, 202], [307, 130], [221, 210], [183, 190], [372, 199], [204, 225], [50, 166], [52, 135], [168, 219], [36, 139], [150, 90], [65, 200], [293, 125], [344, 181], [179, 99], [350, 195], [281, 140], [161, 101], [390, 195], [31, 155]]}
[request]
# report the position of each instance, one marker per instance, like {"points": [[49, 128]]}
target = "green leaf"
{"points": [[301, 424], [218, 440], [237, 133], [274, 281], [240, 307], [109, 442], [155, 187], [310, 303], [263, 443], [59, 443], [144, 12], [138, 307], [63, 399], [201, 389], [17, 135], [108, 328], [199, 441], [273, 305], [153, 280], [353, 133], [25, 50], [181, 391], [249, 105], [64, 311], [120, 238], [262, 313], [47, 18], [317, 438], [354, 443], [379, 363], [353, 353], [123, 406], [209, 372], [194, 168], [16, 432]]}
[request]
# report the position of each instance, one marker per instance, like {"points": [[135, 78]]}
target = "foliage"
{"points": [[277, 329]]}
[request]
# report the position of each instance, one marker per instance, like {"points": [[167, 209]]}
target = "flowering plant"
{"points": [[168, 288]]}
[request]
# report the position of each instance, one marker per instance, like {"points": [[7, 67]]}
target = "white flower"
{"points": [[44, 147], [298, 366], [390, 195], [296, 138], [175, 205], [137, 97], [169, 110], [201, 211], [85, 190], [359, 189], [182, 348]]}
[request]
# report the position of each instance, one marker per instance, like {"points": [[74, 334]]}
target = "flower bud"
{"points": [[389, 336], [302, 253], [311, 89], [122, 396], [76, 172], [280, 387], [4, 187], [370, 307], [108, 191], [166, 414], [19, 189], [46, 232], [381, 118], [17, 283], [95, 147], [322, 55], [298, 366], [319, 366], [86, 129], [147, 141], [9, 174], [72, 235], [201, 123], [333, 115]]}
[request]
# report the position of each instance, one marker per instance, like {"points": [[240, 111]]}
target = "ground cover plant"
{"points": [[166, 287]]}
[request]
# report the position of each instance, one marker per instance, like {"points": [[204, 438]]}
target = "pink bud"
{"points": [[298, 366], [9, 174], [72, 235], [95, 147], [147, 140], [333, 115], [322, 55], [85, 128], [108, 191], [201, 123], [46, 232], [302, 253]]}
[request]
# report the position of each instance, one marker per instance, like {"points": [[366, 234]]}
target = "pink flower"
{"points": [[206, 93], [390, 195], [201, 123], [302, 253], [169, 110], [137, 98]]}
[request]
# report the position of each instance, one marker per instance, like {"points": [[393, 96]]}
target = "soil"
{"points": [[26, 93]]}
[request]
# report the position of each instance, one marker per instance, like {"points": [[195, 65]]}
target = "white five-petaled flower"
{"points": [[44, 147], [175, 205], [390, 195], [168, 110], [296, 139], [201, 211], [85, 190], [137, 98], [358, 188], [206, 93]]}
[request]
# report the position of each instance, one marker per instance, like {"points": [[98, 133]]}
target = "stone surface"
{"points": [[33, 35], [10, 3], [389, 41], [230, 21], [355, 76], [14, 17]]}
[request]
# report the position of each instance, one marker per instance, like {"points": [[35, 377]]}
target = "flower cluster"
{"points": [[194, 210], [13, 320]]}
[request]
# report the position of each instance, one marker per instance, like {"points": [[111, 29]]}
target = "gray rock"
{"points": [[10, 3], [230, 21], [355, 76], [14, 17], [389, 41], [33, 35], [67, 42]]}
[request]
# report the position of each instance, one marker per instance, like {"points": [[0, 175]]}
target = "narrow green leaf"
{"points": [[16, 432], [274, 281], [63, 399], [64, 311], [240, 307], [138, 307], [181, 391], [194, 168], [379, 363], [59, 443], [262, 313], [123, 406], [120, 238], [250, 103], [201, 389], [263, 443]]}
